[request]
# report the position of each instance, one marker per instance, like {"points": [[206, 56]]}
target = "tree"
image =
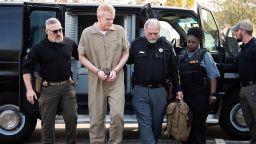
{"points": [[180, 3], [232, 11]]}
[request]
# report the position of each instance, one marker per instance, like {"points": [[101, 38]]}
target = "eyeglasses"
{"points": [[56, 31]]}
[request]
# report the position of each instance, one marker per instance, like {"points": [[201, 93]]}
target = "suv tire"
{"points": [[231, 119], [15, 126]]}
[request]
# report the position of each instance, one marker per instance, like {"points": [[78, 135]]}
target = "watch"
{"points": [[213, 94]]}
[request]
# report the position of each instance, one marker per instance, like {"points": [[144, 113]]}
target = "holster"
{"points": [[38, 84], [169, 89]]}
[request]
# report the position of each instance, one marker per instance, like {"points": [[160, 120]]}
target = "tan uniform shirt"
{"points": [[103, 51]]}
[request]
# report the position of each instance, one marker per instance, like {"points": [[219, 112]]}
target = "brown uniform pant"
{"points": [[51, 97], [248, 105], [101, 93]]}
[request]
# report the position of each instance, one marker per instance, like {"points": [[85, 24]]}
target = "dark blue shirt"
{"points": [[247, 61]]}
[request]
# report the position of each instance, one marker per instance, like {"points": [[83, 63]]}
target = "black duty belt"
{"points": [[151, 85], [248, 83], [47, 83]]}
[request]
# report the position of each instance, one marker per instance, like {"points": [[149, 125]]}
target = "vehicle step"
{"points": [[86, 119], [128, 118]]}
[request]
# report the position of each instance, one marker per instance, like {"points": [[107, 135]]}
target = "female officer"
{"points": [[198, 73]]}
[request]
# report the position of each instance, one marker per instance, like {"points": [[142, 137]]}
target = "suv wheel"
{"points": [[15, 126], [231, 118]]}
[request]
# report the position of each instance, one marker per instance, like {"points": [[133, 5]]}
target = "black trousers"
{"points": [[197, 99], [198, 127]]}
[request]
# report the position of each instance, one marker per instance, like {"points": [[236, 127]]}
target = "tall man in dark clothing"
{"points": [[246, 61], [150, 73], [53, 54]]}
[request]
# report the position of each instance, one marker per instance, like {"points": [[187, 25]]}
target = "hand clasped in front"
{"points": [[107, 75]]}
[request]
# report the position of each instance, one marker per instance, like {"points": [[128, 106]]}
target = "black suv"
{"points": [[22, 25]]}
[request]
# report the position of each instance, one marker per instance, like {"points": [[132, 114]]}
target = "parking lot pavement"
{"points": [[215, 135]]}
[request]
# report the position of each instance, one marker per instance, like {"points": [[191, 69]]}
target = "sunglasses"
{"points": [[56, 31]]}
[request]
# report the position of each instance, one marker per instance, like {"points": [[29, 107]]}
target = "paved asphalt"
{"points": [[214, 135]]}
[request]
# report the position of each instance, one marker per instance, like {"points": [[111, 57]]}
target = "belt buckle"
{"points": [[149, 85]]}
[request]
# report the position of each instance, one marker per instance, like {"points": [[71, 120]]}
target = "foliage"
{"points": [[232, 11], [180, 3]]}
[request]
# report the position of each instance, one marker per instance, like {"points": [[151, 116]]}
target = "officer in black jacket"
{"points": [[53, 54], [246, 61], [198, 74], [150, 74]]}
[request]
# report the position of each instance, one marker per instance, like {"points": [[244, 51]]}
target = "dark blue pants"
{"points": [[149, 106]]}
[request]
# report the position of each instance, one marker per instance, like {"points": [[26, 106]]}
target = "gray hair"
{"points": [[151, 21], [105, 8], [51, 21]]}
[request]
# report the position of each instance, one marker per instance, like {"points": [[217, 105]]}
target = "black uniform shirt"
{"points": [[247, 61], [148, 60], [54, 59]]}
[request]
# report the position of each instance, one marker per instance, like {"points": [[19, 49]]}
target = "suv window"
{"points": [[175, 27], [180, 23], [168, 31], [210, 31], [187, 23], [11, 32]]}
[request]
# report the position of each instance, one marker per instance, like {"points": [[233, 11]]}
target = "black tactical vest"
{"points": [[194, 81], [192, 74]]}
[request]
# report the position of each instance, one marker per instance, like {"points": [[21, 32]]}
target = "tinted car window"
{"points": [[11, 32], [37, 24]]}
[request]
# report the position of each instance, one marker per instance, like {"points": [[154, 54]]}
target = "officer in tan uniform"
{"points": [[103, 49]]}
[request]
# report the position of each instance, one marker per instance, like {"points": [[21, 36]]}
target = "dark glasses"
{"points": [[56, 31]]}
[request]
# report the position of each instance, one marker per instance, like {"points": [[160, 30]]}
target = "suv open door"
{"points": [[211, 33]]}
